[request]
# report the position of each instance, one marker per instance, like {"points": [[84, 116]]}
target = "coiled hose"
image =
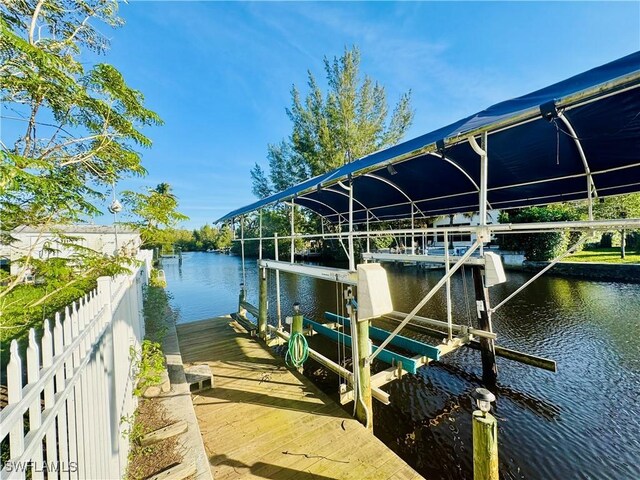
{"points": [[297, 350]]}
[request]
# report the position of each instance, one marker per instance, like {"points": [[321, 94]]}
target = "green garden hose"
{"points": [[297, 350]]}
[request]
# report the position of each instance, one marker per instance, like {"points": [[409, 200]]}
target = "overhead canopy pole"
{"points": [[483, 234], [293, 244], [591, 186]]}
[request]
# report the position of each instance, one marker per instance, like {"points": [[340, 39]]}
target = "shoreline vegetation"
{"points": [[146, 460]]}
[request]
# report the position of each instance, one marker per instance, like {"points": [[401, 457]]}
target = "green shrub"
{"points": [[540, 246], [157, 280], [148, 365]]}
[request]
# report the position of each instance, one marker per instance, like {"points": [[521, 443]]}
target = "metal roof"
{"points": [[551, 145]]}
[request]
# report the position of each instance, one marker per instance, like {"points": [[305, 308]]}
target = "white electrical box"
{"points": [[374, 297], [493, 270]]}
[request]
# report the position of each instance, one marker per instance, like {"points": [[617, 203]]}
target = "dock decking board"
{"points": [[258, 409]]}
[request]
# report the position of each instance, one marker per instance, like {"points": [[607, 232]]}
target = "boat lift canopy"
{"points": [[576, 139]]}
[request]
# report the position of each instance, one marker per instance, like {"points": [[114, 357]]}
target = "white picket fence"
{"points": [[66, 421]]}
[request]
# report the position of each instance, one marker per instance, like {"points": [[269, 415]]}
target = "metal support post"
{"points": [[448, 286], [293, 229], [244, 276], [482, 199], [352, 256], [368, 237], [278, 310], [260, 245], [413, 251], [262, 303]]}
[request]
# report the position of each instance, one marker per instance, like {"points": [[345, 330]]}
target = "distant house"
{"points": [[462, 220], [33, 242]]}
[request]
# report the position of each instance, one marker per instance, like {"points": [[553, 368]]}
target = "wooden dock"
{"points": [[261, 420]]}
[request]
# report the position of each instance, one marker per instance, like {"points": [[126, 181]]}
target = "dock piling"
{"points": [[297, 327], [487, 347], [364, 375], [298, 319], [360, 349], [485, 437]]}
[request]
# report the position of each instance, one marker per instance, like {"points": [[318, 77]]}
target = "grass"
{"points": [[605, 255]]}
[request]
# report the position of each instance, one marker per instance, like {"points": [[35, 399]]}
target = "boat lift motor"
{"points": [[374, 297], [493, 270]]}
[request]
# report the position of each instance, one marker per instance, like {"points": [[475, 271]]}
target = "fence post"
{"points": [[14, 394], [35, 409], [75, 436], [58, 345], [49, 399], [114, 388]]}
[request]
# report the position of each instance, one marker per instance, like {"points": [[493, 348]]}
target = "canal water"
{"points": [[581, 422]]}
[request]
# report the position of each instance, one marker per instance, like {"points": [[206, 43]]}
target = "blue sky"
{"points": [[220, 74]]}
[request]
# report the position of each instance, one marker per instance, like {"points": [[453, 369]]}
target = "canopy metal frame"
{"points": [[478, 135]]}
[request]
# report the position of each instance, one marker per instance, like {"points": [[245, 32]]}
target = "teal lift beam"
{"points": [[398, 341], [409, 364]]}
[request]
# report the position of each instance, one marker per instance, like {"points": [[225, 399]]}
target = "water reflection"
{"points": [[582, 422]]}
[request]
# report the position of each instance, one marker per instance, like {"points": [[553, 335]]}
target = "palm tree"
{"points": [[165, 190]]}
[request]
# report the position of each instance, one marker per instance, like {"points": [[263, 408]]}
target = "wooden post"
{"points": [[485, 446], [296, 325], [364, 375], [487, 348], [262, 303]]}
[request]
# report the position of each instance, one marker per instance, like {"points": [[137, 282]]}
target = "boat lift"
{"points": [[578, 139]]}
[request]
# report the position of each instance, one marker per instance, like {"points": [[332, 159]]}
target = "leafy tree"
{"points": [[224, 238], [620, 206], [155, 214], [539, 246], [79, 124], [329, 130], [71, 128]]}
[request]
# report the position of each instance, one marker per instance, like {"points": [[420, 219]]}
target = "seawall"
{"points": [[629, 272]]}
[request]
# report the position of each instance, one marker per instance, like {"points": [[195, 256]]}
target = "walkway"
{"points": [[263, 421]]}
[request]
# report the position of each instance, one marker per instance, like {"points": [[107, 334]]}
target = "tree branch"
{"points": [[59, 289], [34, 19]]}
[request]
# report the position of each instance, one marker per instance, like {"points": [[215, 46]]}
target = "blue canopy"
{"points": [[548, 146]]}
